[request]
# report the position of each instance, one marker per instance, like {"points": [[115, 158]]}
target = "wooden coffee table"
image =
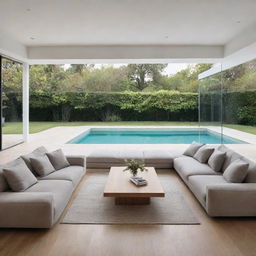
{"points": [[126, 193]]}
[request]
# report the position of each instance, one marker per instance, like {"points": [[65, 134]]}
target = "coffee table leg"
{"points": [[132, 200]]}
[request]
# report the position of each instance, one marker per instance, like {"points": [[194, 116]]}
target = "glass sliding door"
{"points": [[210, 105], [11, 103]]}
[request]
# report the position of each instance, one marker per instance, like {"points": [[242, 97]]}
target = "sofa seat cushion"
{"points": [[71, 173], [187, 166], [198, 184], [61, 191]]}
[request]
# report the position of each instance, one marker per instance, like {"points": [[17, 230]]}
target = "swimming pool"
{"points": [[151, 136]]}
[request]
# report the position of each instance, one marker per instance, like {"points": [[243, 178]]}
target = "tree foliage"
{"points": [[141, 74]]}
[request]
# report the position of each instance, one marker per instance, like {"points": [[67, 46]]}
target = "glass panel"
{"points": [[11, 103], [239, 94], [210, 106]]}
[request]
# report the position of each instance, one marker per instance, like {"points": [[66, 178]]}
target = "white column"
{"points": [[25, 98]]}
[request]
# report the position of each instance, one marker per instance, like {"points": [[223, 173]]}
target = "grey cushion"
{"points": [[3, 182], [232, 156], [203, 153], [19, 177], [236, 171], [187, 166], [58, 159], [251, 175], [61, 191], [37, 152], [216, 160], [42, 165], [71, 173], [192, 149], [198, 184]]}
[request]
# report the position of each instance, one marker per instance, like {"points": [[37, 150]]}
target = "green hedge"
{"points": [[238, 107], [127, 106]]}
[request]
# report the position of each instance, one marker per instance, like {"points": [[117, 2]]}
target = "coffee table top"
{"points": [[119, 185]]}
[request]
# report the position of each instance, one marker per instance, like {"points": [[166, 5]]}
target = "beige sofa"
{"points": [[216, 195], [41, 205]]}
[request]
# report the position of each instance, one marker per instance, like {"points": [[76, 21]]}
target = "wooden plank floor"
{"points": [[214, 237]]}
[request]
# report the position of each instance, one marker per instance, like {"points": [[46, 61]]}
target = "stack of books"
{"points": [[138, 181]]}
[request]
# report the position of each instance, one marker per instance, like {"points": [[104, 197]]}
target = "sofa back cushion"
{"points": [[203, 154], [236, 171], [36, 153], [230, 156], [251, 175], [58, 159], [216, 160], [192, 149], [42, 165], [19, 177]]}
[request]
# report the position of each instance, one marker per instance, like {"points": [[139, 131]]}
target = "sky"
{"points": [[171, 69]]}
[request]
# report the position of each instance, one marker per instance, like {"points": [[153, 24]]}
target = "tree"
{"points": [[186, 80], [12, 89], [140, 74], [78, 68]]}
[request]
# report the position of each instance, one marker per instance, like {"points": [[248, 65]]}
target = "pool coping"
{"points": [[232, 133]]}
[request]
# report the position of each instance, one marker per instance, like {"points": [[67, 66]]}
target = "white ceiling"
{"points": [[79, 31], [125, 22]]}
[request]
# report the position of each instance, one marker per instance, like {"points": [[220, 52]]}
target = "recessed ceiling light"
{"points": [[28, 9], [238, 21], [32, 38]]}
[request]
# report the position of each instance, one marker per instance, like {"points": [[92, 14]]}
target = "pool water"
{"points": [[152, 136]]}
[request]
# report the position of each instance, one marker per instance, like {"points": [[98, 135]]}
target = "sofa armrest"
{"points": [[76, 160], [231, 199], [26, 209]]}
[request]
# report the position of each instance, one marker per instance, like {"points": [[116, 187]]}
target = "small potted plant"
{"points": [[134, 166]]}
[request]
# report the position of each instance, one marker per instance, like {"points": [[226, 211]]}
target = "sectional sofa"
{"points": [[217, 196], [41, 205]]}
